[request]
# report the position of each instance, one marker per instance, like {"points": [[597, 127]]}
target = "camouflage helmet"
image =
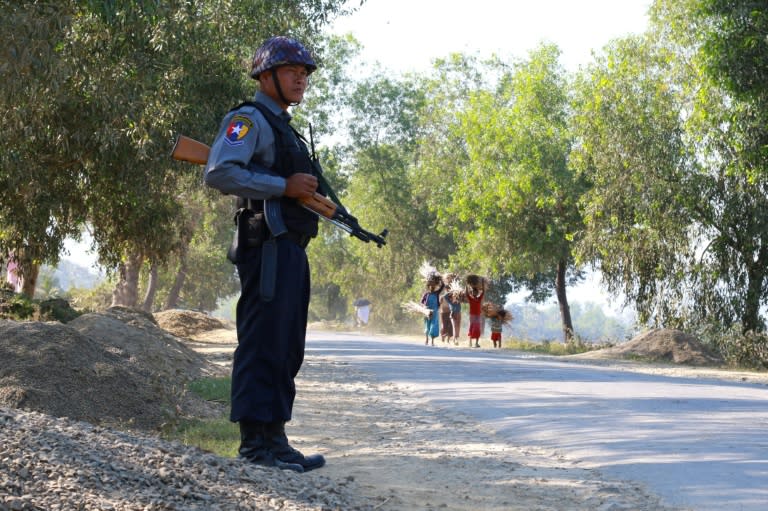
{"points": [[280, 51]]}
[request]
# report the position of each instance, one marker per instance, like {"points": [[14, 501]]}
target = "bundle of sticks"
{"points": [[432, 278], [492, 310], [457, 290], [477, 282], [416, 308]]}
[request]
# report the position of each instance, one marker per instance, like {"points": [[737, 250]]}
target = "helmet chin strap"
{"points": [[280, 89]]}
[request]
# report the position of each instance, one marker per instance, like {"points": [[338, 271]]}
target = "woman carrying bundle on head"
{"points": [[454, 296], [475, 292], [431, 300], [446, 309], [446, 326]]}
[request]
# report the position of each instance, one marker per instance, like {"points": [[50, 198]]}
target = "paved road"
{"points": [[698, 442]]}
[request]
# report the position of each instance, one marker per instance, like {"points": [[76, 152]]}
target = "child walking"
{"points": [[455, 303], [496, 325], [498, 317], [449, 329]]}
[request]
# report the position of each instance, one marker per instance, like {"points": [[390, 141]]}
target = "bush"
{"points": [[94, 299], [18, 307], [57, 309], [577, 345], [747, 350], [15, 306]]}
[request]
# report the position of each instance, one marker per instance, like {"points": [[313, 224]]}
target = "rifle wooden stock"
{"points": [[189, 149], [192, 151]]}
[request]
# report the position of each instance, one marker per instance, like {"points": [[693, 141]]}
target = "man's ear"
{"points": [[266, 80]]}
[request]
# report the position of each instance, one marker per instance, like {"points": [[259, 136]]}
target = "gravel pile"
{"points": [[183, 323], [114, 368], [665, 345], [59, 464]]}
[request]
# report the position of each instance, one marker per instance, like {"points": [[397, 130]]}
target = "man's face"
{"points": [[293, 82]]}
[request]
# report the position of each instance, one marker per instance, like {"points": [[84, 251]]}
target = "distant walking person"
{"points": [[454, 302], [474, 296], [362, 311], [498, 317], [431, 299], [446, 325], [496, 324]]}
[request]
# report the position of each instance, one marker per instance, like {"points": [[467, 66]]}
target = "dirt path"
{"points": [[407, 455]]}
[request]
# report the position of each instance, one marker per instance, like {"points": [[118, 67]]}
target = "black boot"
{"points": [[255, 448], [284, 453]]}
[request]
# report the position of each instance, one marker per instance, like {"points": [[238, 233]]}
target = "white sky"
{"points": [[407, 35]]}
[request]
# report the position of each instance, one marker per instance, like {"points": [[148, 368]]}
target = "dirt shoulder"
{"points": [[403, 453]]}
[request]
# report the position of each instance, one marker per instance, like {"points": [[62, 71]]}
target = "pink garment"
{"points": [[12, 275], [476, 322]]}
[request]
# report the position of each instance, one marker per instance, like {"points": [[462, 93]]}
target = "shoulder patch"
{"points": [[238, 128]]}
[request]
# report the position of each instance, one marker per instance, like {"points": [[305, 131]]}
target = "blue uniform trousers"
{"points": [[271, 336]]}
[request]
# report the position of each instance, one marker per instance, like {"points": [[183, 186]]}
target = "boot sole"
{"points": [[273, 462]]}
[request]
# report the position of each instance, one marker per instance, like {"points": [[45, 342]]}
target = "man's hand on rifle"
{"points": [[300, 186]]}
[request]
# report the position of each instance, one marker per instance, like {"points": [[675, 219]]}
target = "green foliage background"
{"points": [[649, 165]]}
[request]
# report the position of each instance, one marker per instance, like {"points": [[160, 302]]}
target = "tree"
{"points": [[93, 105], [385, 129], [733, 117], [510, 197], [676, 218], [40, 182], [373, 176], [631, 150], [208, 228]]}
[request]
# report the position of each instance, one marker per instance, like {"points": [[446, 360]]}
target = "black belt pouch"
{"points": [[251, 231]]}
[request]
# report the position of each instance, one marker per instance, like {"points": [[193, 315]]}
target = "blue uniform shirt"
{"points": [[245, 135]]}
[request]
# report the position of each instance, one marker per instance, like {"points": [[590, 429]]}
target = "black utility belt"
{"points": [[301, 240]]}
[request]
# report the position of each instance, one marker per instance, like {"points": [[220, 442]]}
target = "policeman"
{"points": [[257, 157]]}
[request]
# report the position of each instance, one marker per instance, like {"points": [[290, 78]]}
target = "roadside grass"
{"points": [[553, 347], [212, 389], [217, 435]]}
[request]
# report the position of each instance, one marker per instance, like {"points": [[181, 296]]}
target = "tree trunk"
{"points": [[149, 297], [562, 300], [750, 319], [29, 274], [181, 276], [126, 292]]}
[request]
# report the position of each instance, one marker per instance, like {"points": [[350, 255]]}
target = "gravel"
{"points": [[55, 464]]}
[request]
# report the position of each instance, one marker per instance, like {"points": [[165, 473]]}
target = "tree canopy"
{"points": [[672, 140], [96, 93], [649, 164]]}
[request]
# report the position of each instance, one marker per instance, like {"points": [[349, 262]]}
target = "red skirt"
{"points": [[475, 326]]}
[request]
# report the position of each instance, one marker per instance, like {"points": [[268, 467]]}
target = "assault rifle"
{"points": [[190, 150]]}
